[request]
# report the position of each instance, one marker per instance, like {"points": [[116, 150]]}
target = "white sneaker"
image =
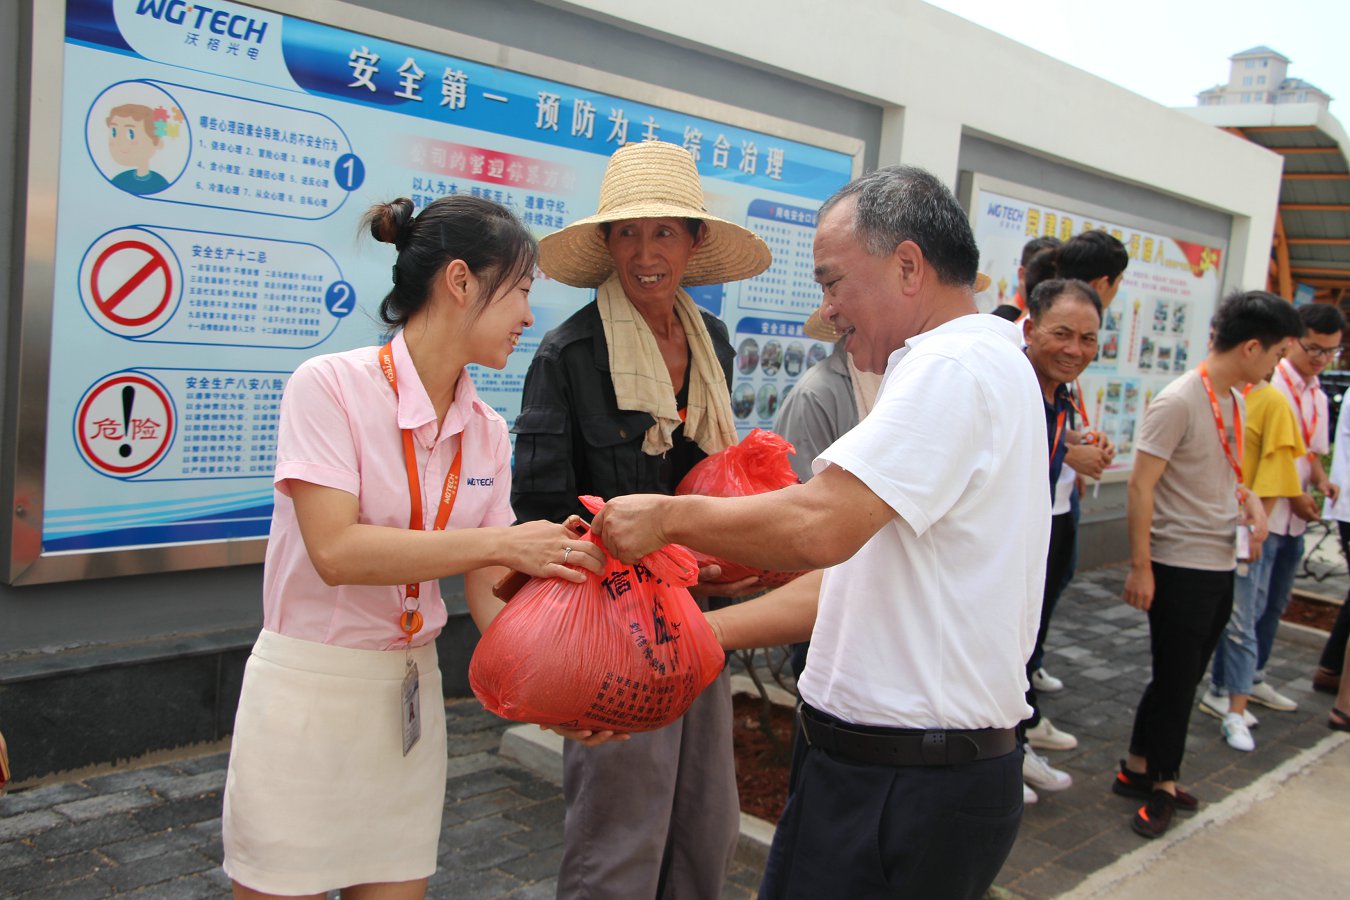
{"points": [[1028, 796], [1046, 736], [1234, 732], [1216, 705], [1267, 696], [1046, 683], [1040, 774]]}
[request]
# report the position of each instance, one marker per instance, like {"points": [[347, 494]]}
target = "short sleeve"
{"points": [[920, 446], [1279, 445], [1164, 426], [811, 420], [499, 512], [314, 435]]}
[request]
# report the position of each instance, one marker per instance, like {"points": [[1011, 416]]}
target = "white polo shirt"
{"points": [[930, 624]]}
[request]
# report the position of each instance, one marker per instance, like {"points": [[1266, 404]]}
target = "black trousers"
{"points": [[1063, 533], [1333, 654], [1189, 611], [866, 831]]}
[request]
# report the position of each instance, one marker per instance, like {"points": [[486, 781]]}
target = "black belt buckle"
{"points": [[933, 748]]}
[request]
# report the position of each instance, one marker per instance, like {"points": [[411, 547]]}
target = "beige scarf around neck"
{"points": [[642, 381]]}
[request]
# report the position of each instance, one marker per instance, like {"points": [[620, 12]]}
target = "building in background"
{"points": [[1310, 246], [1260, 75]]}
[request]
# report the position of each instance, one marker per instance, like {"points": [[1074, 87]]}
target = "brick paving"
{"points": [[155, 831], [1099, 647]]}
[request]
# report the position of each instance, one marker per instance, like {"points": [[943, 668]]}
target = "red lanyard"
{"points": [[410, 619], [1080, 406], [1059, 432], [1308, 430], [1218, 423]]}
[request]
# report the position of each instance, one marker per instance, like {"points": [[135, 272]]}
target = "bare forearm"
{"points": [[483, 605], [376, 554], [770, 531], [1138, 524], [784, 616]]}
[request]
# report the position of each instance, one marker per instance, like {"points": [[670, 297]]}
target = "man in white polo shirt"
{"points": [[932, 539]]}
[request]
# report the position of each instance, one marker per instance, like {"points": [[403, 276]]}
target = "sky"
{"points": [[1170, 50]]}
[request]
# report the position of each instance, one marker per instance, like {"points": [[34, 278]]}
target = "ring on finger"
{"points": [[567, 551]]}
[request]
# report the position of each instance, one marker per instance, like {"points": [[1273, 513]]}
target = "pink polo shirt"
{"points": [[1309, 403], [340, 428]]}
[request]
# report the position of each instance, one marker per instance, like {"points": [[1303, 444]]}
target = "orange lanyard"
{"points": [[1059, 432], [1308, 430], [1080, 407], [410, 619], [1218, 423]]}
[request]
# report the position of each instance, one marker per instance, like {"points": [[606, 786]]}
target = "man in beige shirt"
{"points": [[1183, 516]]}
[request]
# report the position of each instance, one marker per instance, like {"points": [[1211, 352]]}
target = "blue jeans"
{"points": [[1259, 598], [1286, 555]]}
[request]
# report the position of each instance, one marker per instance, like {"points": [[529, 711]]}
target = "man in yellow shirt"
{"points": [[1271, 446]]}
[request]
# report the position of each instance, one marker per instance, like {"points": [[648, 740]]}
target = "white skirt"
{"points": [[319, 795]]}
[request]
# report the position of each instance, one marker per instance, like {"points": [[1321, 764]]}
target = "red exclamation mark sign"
{"points": [[128, 398]]}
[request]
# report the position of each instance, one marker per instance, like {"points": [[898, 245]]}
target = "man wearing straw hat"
{"points": [[625, 397], [932, 539]]}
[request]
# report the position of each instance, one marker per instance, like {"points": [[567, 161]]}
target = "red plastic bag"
{"points": [[628, 650], [757, 465]]}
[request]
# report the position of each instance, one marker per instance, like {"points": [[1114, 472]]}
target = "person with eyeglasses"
{"points": [[1297, 379], [1063, 319]]}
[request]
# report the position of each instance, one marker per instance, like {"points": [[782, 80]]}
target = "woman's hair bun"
{"points": [[392, 222]]}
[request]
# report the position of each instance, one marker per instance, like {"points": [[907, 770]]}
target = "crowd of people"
{"points": [[942, 456]]}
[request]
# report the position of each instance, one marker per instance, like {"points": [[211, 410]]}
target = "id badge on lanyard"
{"points": [[1243, 536], [409, 614], [411, 712]]}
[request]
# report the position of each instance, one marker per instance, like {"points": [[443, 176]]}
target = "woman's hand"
{"points": [[549, 550]]}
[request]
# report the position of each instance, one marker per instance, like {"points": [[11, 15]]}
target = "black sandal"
{"points": [[1338, 721]]}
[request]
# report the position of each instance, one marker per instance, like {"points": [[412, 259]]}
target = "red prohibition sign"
{"points": [[105, 464], [108, 305]]}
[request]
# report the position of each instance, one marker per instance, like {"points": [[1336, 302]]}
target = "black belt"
{"points": [[901, 746]]}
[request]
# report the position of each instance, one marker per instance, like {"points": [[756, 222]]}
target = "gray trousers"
{"points": [[656, 816]]}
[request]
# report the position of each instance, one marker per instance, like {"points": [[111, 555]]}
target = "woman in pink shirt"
{"points": [[391, 473]]}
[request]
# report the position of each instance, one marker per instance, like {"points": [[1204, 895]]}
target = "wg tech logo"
{"points": [[1009, 217], [197, 16]]}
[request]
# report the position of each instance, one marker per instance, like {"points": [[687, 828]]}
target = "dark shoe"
{"points": [[1153, 818], [1140, 787], [1338, 721], [1326, 682]]}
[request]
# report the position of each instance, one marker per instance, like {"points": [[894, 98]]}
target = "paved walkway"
{"points": [[1099, 647], [154, 831]]}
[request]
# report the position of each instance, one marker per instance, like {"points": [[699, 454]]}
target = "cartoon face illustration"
{"points": [[132, 140]]}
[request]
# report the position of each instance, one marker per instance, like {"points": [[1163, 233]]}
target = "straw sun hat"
{"points": [[652, 180], [818, 329]]}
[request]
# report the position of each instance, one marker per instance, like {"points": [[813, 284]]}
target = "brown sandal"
{"points": [[1338, 721]]}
